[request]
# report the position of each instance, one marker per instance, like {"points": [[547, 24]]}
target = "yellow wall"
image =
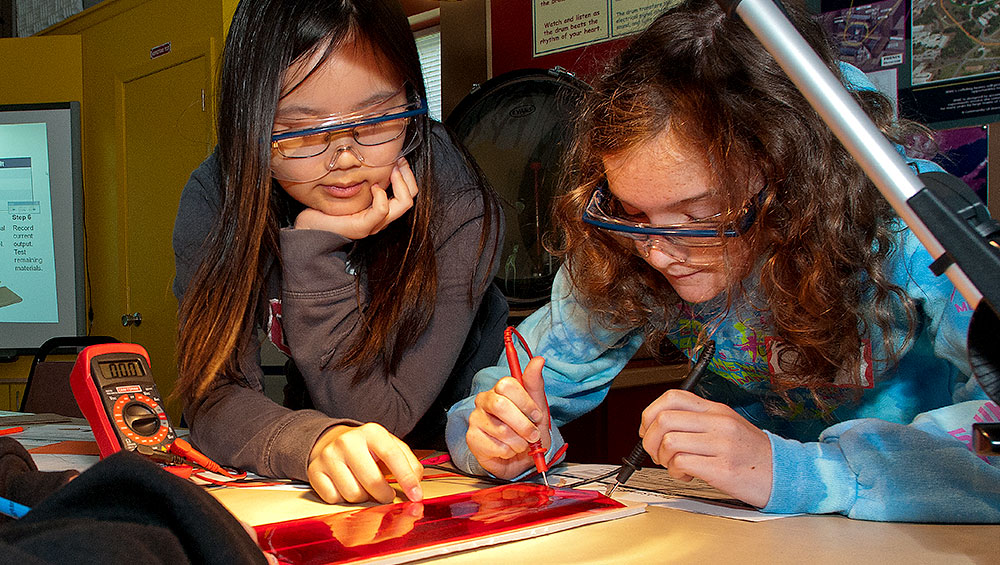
{"points": [[81, 59], [228, 8], [36, 70], [41, 69]]}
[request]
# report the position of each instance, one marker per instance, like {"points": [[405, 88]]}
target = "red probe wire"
{"points": [[536, 450], [182, 448], [182, 460]]}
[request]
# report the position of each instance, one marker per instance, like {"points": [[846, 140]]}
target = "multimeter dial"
{"points": [[140, 418], [131, 400]]}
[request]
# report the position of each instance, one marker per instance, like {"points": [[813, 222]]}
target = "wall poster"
{"points": [[870, 37], [560, 25], [946, 54], [955, 74]]}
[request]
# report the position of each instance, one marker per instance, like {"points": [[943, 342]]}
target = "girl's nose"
{"points": [[354, 159], [661, 254]]}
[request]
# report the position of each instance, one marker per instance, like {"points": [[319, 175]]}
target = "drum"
{"points": [[517, 126]]}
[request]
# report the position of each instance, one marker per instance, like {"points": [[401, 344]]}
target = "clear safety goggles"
{"points": [[695, 242], [375, 138]]}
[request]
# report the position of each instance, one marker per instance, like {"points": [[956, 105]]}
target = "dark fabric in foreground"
{"points": [[126, 509], [20, 479]]}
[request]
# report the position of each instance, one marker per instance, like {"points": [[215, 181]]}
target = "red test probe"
{"points": [[182, 448], [535, 448], [181, 458]]}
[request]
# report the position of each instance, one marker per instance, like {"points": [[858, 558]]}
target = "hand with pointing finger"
{"points": [[344, 465]]}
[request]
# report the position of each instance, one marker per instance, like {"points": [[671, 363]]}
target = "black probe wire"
{"points": [[498, 481], [593, 479], [635, 459]]}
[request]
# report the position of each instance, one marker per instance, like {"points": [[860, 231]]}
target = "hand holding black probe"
{"points": [[633, 462]]}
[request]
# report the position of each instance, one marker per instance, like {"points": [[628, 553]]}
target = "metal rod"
{"points": [[863, 140]]}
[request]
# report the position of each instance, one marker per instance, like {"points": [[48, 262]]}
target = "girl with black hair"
{"points": [[341, 220]]}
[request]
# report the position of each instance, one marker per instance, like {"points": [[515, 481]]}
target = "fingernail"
{"points": [[535, 436], [536, 416], [415, 493]]}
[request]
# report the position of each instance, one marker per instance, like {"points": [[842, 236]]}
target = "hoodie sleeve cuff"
{"points": [[314, 260], [285, 456], [809, 477]]}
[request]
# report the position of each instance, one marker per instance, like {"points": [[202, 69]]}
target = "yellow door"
{"points": [[167, 132]]}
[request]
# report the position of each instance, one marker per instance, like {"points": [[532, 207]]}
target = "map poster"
{"points": [[954, 39], [955, 72], [871, 37]]}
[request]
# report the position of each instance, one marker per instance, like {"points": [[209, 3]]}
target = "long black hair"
{"points": [[398, 263]]}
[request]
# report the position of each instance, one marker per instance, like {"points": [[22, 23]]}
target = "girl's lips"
{"points": [[682, 275], [343, 191]]}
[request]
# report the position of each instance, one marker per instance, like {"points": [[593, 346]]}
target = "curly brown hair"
{"points": [[823, 231]]}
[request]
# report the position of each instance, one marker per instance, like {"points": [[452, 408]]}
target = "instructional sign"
{"points": [[560, 25]]}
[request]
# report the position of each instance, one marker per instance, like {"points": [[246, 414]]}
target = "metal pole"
{"points": [[852, 126]]}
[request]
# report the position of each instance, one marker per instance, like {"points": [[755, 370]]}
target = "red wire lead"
{"points": [[536, 450]]}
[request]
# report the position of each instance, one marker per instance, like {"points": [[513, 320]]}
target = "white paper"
{"points": [[63, 462], [655, 487]]}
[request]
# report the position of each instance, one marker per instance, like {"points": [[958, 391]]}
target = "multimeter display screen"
{"points": [[130, 368]]}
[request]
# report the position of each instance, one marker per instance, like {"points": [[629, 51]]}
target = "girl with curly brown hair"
{"points": [[707, 200]]}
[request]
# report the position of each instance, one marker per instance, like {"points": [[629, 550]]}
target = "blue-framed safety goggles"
{"points": [[301, 154], [367, 131], [603, 211]]}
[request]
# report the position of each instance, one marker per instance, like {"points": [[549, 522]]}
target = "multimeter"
{"points": [[116, 392]]}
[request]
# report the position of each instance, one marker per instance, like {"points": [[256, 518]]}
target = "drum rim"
{"points": [[467, 103]]}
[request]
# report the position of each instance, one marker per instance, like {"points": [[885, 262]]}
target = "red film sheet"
{"points": [[405, 531]]}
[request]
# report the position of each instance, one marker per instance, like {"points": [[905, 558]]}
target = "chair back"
{"points": [[48, 389]]}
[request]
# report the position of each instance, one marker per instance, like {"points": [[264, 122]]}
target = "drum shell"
{"points": [[518, 127]]}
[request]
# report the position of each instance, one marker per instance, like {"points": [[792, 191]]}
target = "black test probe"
{"points": [[633, 462]]}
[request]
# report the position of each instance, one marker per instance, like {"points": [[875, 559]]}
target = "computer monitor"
{"points": [[41, 225]]}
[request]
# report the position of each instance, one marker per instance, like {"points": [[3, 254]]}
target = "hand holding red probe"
{"points": [[509, 428]]}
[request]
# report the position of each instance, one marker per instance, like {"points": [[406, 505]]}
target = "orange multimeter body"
{"points": [[116, 392]]}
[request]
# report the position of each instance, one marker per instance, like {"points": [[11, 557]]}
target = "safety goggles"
{"points": [[376, 138], [605, 212]]}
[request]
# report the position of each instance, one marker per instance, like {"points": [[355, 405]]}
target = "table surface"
{"points": [[663, 535]]}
